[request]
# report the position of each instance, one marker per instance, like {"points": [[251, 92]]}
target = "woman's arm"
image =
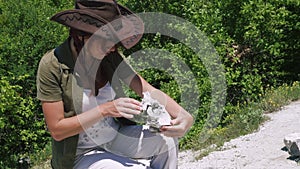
{"points": [[61, 128]]}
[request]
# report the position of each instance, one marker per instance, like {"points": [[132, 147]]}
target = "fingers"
{"points": [[176, 129], [128, 107], [132, 101], [173, 131], [175, 121], [128, 112], [128, 116], [129, 104]]}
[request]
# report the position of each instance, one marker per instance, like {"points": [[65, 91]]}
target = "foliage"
{"points": [[26, 33], [271, 30], [22, 130], [275, 98], [258, 42]]}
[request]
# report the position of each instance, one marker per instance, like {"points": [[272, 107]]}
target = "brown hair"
{"points": [[78, 43]]}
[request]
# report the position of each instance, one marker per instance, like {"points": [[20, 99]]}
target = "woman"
{"points": [[86, 112]]}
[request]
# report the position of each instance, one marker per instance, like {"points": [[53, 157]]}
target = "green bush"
{"points": [[270, 29], [22, 129], [257, 40], [26, 34]]}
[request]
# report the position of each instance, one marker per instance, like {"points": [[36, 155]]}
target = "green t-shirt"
{"points": [[56, 82], [56, 66]]}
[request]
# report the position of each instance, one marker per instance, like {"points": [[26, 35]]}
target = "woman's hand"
{"points": [[182, 120], [122, 107], [179, 126]]}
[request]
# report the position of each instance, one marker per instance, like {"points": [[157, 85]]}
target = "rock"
{"points": [[153, 115], [292, 143]]}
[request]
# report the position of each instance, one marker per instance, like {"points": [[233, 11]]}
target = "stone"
{"points": [[292, 143], [153, 114]]}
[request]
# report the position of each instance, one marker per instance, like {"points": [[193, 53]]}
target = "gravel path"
{"points": [[259, 150]]}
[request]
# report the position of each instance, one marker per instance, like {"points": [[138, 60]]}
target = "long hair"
{"points": [[78, 43], [100, 77]]}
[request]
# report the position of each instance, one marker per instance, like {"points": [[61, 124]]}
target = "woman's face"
{"points": [[98, 47]]}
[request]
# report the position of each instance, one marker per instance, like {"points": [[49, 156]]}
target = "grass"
{"points": [[241, 120], [41, 160]]}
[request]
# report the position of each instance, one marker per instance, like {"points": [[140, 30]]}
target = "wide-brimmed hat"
{"points": [[105, 18]]}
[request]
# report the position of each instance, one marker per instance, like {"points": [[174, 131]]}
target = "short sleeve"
{"points": [[48, 78]]}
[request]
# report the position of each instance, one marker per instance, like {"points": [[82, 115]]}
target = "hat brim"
{"points": [[127, 29]]}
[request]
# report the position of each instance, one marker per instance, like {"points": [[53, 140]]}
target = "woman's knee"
{"points": [[110, 163]]}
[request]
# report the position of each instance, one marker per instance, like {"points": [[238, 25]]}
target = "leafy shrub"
{"points": [[257, 40], [26, 34], [271, 30], [22, 129]]}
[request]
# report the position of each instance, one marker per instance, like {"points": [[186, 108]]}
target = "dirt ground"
{"points": [[263, 149]]}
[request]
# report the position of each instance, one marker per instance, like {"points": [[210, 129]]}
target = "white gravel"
{"points": [[259, 150]]}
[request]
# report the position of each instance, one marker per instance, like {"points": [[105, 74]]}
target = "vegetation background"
{"points": [[258, 42]]}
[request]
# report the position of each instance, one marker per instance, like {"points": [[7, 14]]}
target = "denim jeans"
{"points": [[132, 143]]}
